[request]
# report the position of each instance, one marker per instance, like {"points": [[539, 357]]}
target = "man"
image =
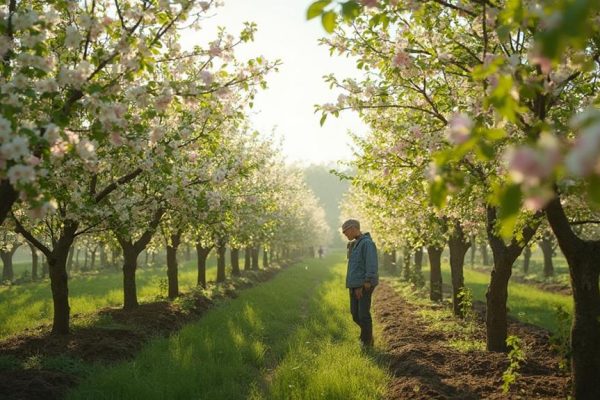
{"points": [[361, 277]]}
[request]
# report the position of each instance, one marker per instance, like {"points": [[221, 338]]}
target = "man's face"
{"points": [[351, 233]]}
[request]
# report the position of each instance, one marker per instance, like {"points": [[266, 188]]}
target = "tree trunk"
{"points": [[247, 258], [8, 196], [459, 245], [526, 259], [85, 259], [93, 258], [8, 273], [265, 262], [202, 254], [235, 261], [406, 264], [255, 252], [435, 276], [34, 262], [172, 275], [221, 261], [584, 268], [496, 319], [473, 250], [77, 268], [485, 258], [103, 258], [130, 256], [547, 250], [70, 259], [417, 277], [45, 267]]}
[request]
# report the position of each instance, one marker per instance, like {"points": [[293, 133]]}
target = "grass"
{"points": [[289, 338], [29, 305], [525, 302]]}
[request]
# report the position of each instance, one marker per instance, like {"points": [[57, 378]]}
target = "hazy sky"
{"points": [[288, 105]]}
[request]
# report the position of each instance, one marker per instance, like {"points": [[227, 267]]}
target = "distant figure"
{"points": [[321, 251], [361, 277]]}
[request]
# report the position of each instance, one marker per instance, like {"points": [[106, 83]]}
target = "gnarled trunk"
{"points": [[234, 255], [417, 277], [202, 254], [130, 256], [247, 258], [458, 245], [584, 267], [255, 252], [497, 293], [8, 196], [34, 262], [8, 273], [406, 264], [221, 261], [526, 259], [547, 246], [435, 276], [172, 273]]}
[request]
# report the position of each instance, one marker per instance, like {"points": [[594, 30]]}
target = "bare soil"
{"points": [[423, 366], [119, 338]]}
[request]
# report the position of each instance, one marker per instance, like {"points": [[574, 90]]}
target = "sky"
{"points": [[287, 106]]}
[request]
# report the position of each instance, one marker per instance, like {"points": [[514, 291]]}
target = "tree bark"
{"points": [[584, 268], [130, 256], [235, 261], [34, 262], [202, 255], [103, 258], [547, 246], [247, 258], [93, 258], [417, 277], [265, 261], [406, 264], [8, 196], [255, 252], [435, 277], [485, 258], [8, 273], [459, 245], [496, 319], [526, 259], [172, 273], [70, 258], [221, 248]]}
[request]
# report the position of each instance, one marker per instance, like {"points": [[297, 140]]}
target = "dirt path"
{"points": [[423, 366]]}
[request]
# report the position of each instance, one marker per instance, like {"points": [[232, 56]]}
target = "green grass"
{"points": [[289, 338], [525, 302], [29, 305]]}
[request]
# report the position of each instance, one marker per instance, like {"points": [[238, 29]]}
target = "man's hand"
{"points": [[358, 292], [367, 286]]}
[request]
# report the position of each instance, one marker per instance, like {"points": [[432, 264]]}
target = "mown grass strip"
{"points": [[29, 305], [289, 338], [525, 302]]}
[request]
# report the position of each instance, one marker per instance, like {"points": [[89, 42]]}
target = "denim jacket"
{"points": [[362, 262]]}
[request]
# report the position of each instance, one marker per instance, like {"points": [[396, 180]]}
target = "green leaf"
{"points": [[438, 192], [329, 21], [316, 8], [350, 10], [323, 118], [510, 204]]}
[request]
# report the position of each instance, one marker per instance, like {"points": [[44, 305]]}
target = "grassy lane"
{"points": [[525, 302], [29, 305], [289, 338]]}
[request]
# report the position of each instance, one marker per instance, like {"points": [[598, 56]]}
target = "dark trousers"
{"points": [[361, 314]]}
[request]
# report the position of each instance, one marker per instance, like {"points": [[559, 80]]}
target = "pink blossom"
{"points": [[529, 166], [459, 128], [33, 160], [584, 157], [116, 139], [369, 3], [401, 59]]}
